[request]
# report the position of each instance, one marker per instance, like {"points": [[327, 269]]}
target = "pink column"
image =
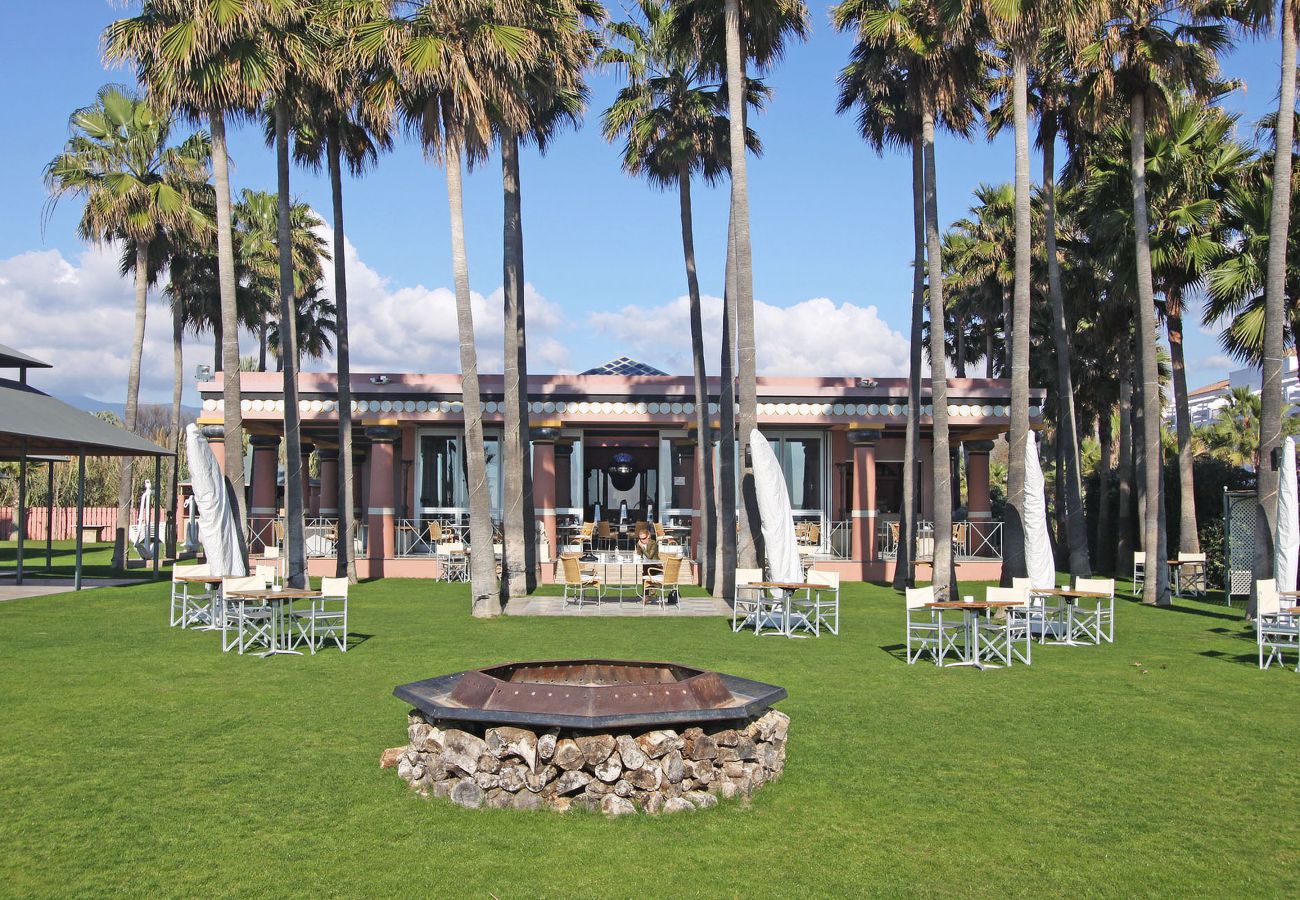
{"points": [[216, 435], [380, 510], [263, 509], [864, 493], [544, 484], [327, 495], [978, 502]]}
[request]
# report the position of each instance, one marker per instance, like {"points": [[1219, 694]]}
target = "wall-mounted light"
{"points": [[866, 382], [202, 373], [379, 379]]}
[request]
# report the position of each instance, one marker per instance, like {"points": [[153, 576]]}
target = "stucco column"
{"points": [[863, 512], [544, 484], [328, 493], [564, 476], [263, 509], [696, 495], [216, 437], [979, 503], [380, 511]]}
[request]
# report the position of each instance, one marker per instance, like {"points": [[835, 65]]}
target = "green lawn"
{"points": [[139, 759]]}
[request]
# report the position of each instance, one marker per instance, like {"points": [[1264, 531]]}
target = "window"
{"points": [[800, 458], [443, 476]]}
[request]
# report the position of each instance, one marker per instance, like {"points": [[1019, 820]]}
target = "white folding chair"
{"points": [[190, 603], [1139, 569], [1043, 610], [1000, 634], [1192, 573], [452, 563], [825, 600], [744, 608], [267, 572], [1275, 631], [326, 618], [1095, 618], [926, 629], [245, 618]]}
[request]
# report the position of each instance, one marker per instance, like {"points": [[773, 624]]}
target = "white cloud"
{"points": [[79, 315], [815, 337]]}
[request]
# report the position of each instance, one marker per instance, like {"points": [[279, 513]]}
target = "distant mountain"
{"points": [[89, 404]]}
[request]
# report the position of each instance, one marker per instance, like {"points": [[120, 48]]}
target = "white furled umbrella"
{"points": [[774, 512], [1038, 545], [218, 527], [1286, 541]]}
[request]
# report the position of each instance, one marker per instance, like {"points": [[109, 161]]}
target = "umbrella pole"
{"points": [[49, 517], [157, 478], [22, 511], [81, 513]]}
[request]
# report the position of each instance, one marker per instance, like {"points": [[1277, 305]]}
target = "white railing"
{"points": [[978, 539], [840, 543], [321, 534]]}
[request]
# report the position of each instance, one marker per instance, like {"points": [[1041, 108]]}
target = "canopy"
{"points": [[1286, 542], [16, 359], [774, 512], [1040, 566], [33, 422], [218, 524]]}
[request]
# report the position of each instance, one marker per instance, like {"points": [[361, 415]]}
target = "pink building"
{"points": [[601, 442]]}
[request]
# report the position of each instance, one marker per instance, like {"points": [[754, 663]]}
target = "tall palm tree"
{"points": [[137, 187], [315, 327], [674, 124], [335, 129], [446, 69], [730, 35], [206, 61], [553, 94], [1145, 49], [1279, 235]]}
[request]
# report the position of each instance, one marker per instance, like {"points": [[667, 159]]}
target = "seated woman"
{"points": [[647, 548]]}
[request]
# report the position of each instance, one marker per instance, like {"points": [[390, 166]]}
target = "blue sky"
{"points": [[830, 220]]}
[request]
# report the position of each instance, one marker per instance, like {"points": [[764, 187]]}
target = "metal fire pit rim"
{"points": [[428, 696]]}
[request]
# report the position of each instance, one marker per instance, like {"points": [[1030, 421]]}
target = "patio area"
{"points": [[138, 760]]}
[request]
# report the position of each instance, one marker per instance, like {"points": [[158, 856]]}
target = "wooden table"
{"points": [[971, 610], [277, 600], [787, 590]]}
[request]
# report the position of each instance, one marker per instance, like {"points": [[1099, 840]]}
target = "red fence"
{"points": [[64, 521]]}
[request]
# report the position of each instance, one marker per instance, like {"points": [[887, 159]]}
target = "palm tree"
{"points": [[674, 125], [1144, 49], [139, 188], [445, 68], [206, 61], [729, 35], [334, 129], [316, 325], [945, 86], [1234, 434], [1279, 236], [552, 93]]}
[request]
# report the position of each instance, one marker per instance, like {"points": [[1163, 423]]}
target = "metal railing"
{"points": [[840, 541], [974, 540]]}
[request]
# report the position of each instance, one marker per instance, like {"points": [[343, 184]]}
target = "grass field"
{"points": [[139, 759]]}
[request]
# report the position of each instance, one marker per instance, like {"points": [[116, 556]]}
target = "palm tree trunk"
{"points": [[706, 516], [1279, 224], [482, 569], [944, 575], [989, 365], [517, 522], [959, 345], [724, 581], [1188, 540], [261, 347], [1124, 501], [124, 485], [1152, 525], [346, 565], [903, 576], [232, 416], [1013, 544], [749, 541], [218, 344], [178, 433], [1103, 530], [1076, 525], [296, 550]]}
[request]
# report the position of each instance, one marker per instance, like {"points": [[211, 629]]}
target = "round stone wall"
{"points": [[617, 773]]}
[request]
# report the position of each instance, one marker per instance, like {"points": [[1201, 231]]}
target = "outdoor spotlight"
{"points": [[379, 379], [202, 373], [866, 382]]}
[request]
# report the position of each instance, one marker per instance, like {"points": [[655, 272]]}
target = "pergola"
{"points": [[35, 427]]}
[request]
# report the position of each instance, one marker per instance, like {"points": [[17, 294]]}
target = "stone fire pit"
{"points": [[612, 735]]}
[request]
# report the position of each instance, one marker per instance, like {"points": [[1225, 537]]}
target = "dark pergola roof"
{"points": [[35, 423], [16, 359]]}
